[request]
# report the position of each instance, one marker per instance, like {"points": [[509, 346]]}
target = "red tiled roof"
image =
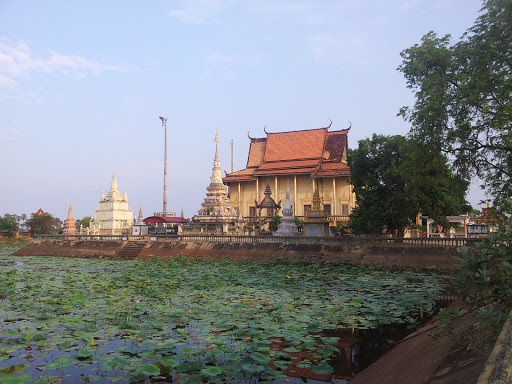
{"points": [[315, 151], [285, 171], [256, 152], [295, 145], [165, 219], [288, 164]]}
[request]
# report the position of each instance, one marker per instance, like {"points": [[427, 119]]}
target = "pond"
{"points": [[184, 320]]}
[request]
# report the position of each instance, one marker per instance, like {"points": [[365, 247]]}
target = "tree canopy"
{"points": [[43, 224], [9, 223], [395, 178], [464, 97], [85, 222]]}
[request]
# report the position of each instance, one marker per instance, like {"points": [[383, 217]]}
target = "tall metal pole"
{"points": [[164, 124], [231, 155]]}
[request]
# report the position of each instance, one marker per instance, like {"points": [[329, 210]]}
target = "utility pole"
{"points": [[164, 124], [231, 155]]}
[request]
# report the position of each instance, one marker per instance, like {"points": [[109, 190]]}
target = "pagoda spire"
{"points": [[216, 171], [113, 186], [114, 193], [69, 223], [216, 161], [70, 211]]}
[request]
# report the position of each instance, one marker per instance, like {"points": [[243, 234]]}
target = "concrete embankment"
{"points": [[392, 255]]}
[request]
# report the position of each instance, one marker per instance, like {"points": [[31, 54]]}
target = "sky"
{"points": [[83, 83]]}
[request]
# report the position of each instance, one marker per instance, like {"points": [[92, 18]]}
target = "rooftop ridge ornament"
{"points": [[329, 126]]}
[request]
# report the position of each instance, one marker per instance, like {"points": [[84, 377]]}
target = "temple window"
{"points": [[344, 209], [307, 210], [270, 212], [327, 209], [252, 211]]}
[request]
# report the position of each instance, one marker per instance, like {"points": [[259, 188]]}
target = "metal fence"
{"points": [[284, 241]]}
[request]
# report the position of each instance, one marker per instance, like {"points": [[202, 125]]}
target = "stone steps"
{"points": [[131, 250]]}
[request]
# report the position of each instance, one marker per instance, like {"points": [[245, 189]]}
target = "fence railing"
{"points": [[284, 241]]}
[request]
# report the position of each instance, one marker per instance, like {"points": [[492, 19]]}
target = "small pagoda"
{"points": [[269, 204], [69, 223], [217, 213], [287, 226], [316, 223]]}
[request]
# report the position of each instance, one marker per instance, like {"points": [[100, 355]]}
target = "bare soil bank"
{"points": [[391, 255]]}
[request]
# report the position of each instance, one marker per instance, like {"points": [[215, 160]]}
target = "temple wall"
{"points": [[395, 256], [334, 193]]}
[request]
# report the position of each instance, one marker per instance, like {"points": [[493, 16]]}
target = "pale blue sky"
{"points": [[82, 84]]}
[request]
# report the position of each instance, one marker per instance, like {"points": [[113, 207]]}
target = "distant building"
{"points": [[306, 160], [69, 223], [217, 213], [113, 216]]}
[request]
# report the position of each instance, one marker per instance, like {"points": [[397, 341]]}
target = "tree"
{"points": [[394, 178], [43, 224], [9, 223], [378, 186], [273, 224], [84, 222], [464, 97], [431, 185]]}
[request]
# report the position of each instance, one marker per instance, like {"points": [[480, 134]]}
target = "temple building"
{"points": [[217, 213], [306, 160], [113, 216], [69, 223]]}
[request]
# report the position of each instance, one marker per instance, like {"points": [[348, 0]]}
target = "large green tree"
{"points": [[43, 224], [464, 96], [394, 178], [379, 187], [9, 223]]}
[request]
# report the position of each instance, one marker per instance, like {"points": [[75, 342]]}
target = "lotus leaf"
{"points": [[148, 369]]}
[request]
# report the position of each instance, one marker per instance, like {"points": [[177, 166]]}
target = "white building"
{"points": [[113, 216]]}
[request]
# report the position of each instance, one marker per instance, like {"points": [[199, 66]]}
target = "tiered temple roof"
{"points": [[317, 152]]}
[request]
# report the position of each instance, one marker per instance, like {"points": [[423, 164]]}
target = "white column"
{"points": [[295, 195], [257, 190], [334, 195], [240, 211], [277, 193]]}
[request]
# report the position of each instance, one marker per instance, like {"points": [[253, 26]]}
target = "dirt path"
{"points": [[423, 359]]}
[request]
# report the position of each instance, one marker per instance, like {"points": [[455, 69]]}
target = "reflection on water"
{"points": [[358, 349]]}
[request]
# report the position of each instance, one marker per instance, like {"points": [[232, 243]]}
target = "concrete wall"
{"points": [[391, 255], [71, 248]]}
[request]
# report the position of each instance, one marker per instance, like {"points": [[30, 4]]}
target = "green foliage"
{"points": [[9, 223], [85, 222], [339, 229], [485, 276], [274, 223], [378, 186], [394, 178], [43, 224], [463, 105], [298, 223]]}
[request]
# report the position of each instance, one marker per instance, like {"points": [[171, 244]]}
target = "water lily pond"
{"points": [[72, 320]]}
